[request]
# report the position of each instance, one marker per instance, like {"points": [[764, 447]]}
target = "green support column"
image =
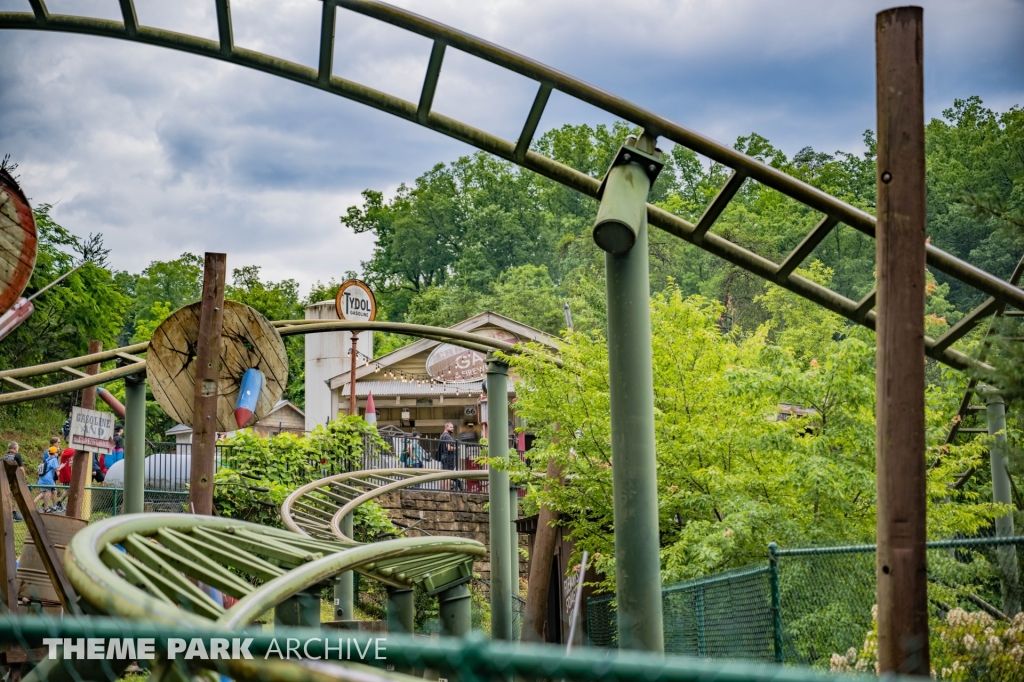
{"points": [[454, 605], [134, 443], [401, 612], [621, 230], [500, 522], [344, 599], [998, 457], [300, 610]]}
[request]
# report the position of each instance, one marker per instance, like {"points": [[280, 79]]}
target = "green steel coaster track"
{"points": [[131, 363], [145, 568], [319, 509], [548, 79]]}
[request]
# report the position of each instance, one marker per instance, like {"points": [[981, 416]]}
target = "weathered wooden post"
{"points": [[207, 373], [81, 463], [901, 568]]}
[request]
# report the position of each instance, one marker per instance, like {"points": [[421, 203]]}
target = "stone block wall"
{"points": [[461, 515]]}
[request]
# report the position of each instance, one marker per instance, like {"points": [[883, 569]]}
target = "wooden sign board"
{"points": [[91, 430], [355, 302]]}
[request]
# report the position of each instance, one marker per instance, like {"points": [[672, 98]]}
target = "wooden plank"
{"points": [[8, 558], [902, 580], [207, 369], [17, 241], [54, 568]]}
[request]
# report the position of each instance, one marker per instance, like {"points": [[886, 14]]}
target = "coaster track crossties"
{"points": [[833, 211]]}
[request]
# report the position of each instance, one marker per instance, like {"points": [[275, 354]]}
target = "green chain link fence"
{"points": [[104, 502], [469, 659], [808, 605]]}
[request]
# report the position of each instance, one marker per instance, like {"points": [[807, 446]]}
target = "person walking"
{"points": [[14, 455], [413, 455], [448, 454], [47, 484], [64, 478], [117, 454]]}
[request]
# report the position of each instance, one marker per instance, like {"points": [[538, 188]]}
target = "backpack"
{"points": [[41, 469]]}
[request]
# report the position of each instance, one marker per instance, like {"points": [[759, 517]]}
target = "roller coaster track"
{"points": [[518, 151], [316, 509], [146, 568], [131, 363]]}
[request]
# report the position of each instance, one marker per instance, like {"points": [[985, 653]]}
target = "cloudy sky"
{"points": [[165, 152]]}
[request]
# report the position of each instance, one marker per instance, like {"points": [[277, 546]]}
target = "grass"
{"points": [[32, 426]]}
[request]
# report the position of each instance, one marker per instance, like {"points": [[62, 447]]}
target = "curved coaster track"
{"points": [[150, 567], [833, 211], [152, 578]]}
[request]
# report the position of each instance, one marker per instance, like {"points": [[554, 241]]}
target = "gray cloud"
{"points": [[166, 152]]}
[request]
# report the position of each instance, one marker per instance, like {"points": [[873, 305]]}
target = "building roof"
{"points": [[176, 429], [406, 388], [280, 404], [485, 319]]}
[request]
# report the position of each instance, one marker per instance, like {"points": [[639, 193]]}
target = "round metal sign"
{"points": [[457, 364], [355, 302]]}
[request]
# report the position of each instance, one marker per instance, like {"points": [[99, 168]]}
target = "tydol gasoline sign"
{"points": [[355, 302]]}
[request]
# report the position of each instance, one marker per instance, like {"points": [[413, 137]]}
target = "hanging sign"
{"points": [[91, 430], [355, 302], [457, 364]]}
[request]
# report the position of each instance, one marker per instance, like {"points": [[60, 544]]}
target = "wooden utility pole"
{"points": [[536, 611], [81, 463], [900, 424], [353, 403], [207, 372]]}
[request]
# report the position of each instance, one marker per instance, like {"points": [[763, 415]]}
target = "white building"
{"points": [[327, 356]]}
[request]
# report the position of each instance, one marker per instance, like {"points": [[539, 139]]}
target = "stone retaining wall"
{"points": [[461, 515]]}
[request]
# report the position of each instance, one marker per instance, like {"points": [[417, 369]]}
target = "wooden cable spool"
{"points": [[248, 341], [17, 241]]}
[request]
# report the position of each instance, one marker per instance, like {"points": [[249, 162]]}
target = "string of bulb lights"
{"points": [[419, 379]]}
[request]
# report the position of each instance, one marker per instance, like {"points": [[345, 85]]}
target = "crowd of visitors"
{"points": [[55, 471]]}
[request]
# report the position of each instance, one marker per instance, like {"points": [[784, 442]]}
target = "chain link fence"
{"points": [[814, 606], [100, 503]]}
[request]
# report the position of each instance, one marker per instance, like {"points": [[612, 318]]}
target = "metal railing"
{"points": [[404, 451]]}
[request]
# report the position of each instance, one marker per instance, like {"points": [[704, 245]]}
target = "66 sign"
{"points": [[355, 302]]}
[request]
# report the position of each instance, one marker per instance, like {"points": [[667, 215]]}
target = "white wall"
{"points": [[326, 358]]}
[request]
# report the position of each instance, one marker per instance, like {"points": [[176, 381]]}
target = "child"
{"points": [[46, 482]]}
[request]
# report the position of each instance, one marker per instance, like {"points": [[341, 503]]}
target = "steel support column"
{"points": [[401, 612], [631, 387], [300, 610], [999, 458], [134, 443], [500, 525], [455, 607], [901, 571], [344, 596]]}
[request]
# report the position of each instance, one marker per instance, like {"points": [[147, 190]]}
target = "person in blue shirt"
{"points": [[46, 480], [413, 455]]}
